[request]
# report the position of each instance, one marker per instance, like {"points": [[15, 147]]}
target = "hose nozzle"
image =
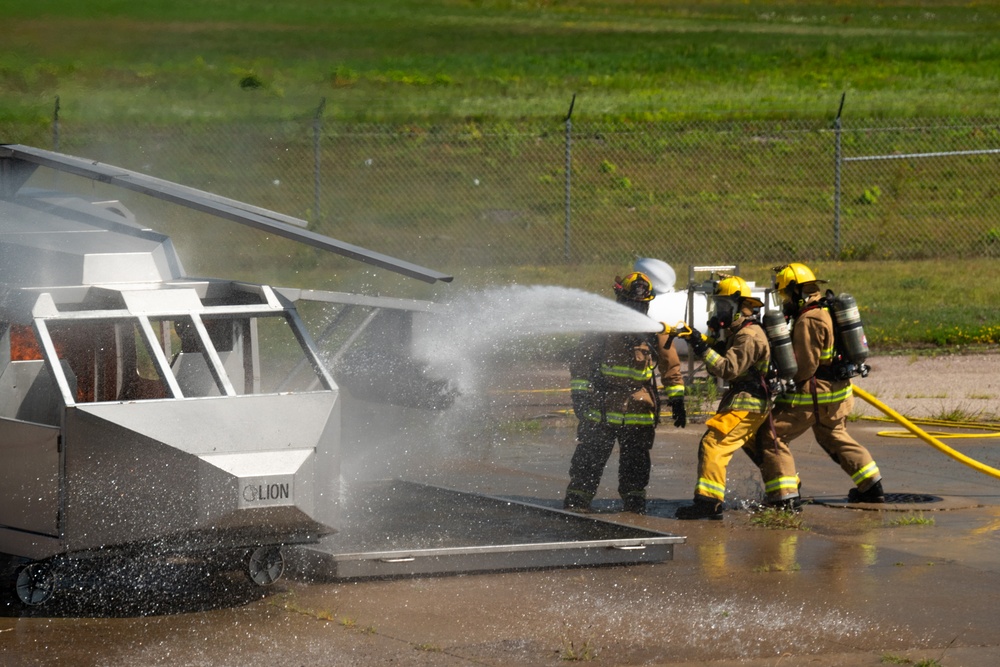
{"points": [[681, 330]]}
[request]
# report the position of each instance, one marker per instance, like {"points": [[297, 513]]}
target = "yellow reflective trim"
{"points": [[620, 419], [675, 391], [748, 403], [782, 484], [797, 399], [867, 472], [707, 487], [628, 373]]}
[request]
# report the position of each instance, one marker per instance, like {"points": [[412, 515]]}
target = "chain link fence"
{"points": [[557, 193]]}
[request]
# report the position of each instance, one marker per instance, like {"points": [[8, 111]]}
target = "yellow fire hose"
{"points": [[926, 437]]}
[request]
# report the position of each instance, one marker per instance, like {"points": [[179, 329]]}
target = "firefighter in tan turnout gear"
{"points": [[821, 398], [742, 358], [615, 398]]}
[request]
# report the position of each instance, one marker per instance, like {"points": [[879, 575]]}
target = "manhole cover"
{"points": [[912, 498], [902, 502]]}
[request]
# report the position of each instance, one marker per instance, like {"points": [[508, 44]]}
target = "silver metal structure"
{"points": [[471, 533], [141, 407], [145, 411]]}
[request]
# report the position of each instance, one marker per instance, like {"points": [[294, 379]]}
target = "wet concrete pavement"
{"points": [[854, 587]]}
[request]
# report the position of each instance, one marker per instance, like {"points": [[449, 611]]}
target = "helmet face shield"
{"points": [[723, 309]]}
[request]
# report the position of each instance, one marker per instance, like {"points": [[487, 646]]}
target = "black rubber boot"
{"points": [[634, 504], [701, 509], [786, 505], [874, 494], [576, 502]]}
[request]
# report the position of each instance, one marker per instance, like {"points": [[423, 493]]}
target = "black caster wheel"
{"points": [[265, 565], [35, 583]]}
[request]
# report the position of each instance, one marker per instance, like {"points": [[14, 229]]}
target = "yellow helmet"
{"points": [[737, 287], [634, 287], [796, 273]]}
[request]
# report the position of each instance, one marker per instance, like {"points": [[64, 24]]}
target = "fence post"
{"points": [[838, 161], [317, 132], [55, 126], [569, 160]]}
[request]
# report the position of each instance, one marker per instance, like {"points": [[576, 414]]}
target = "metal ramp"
{"points": [[399, 528]]}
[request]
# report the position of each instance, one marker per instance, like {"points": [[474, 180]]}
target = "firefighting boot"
{"points": [[577, 501], [634, 503], [793, 504], [873, 494], [703, 508]]}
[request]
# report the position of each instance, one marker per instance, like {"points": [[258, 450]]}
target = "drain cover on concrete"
{"points": [[904, 502]]}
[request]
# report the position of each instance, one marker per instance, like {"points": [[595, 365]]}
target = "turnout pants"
{"points": [[776, 464], [595, 441], [728, 431], [827, 422]]}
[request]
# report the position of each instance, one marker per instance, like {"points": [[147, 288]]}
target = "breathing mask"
{"points": [[723, 311]]}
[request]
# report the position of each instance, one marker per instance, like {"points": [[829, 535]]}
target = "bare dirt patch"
{"points": [[962, 386]]}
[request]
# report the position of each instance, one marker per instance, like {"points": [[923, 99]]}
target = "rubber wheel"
{"points": [[35, 583], [265, 565]]}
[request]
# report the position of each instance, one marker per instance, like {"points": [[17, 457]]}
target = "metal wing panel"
{"points": [[258, 218]]}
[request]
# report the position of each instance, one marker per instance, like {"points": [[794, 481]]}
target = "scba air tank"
{"points": [[852, 334], [780, 338]]}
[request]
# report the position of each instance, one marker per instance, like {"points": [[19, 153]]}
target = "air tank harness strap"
{"points": [[774, 431], [812, 390], [651, 385], [770, 412]]}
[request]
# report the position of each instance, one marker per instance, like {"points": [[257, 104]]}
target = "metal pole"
{"points": [[55, 126], [317, 132], [838, 160], [569, 160]]}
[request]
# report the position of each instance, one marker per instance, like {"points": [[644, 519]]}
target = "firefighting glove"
{"points": [[679, 412], [697, 342], [580, 400]]}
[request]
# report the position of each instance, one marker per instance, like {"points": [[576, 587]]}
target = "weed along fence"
{"points": [[552, 192]]}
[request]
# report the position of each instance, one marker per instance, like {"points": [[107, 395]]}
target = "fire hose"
{"points": [[926, 437]]}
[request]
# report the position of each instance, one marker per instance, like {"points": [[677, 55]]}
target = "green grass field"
{"points": [[177, 63], [399, 60]]}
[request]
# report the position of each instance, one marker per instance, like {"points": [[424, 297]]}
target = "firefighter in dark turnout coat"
{"points": [[615, 398]]}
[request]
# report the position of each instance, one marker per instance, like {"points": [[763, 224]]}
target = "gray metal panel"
{"points": [[325, 296], [29, 545], [45, 244], [29, 477], [232, 424], [403, 528], [257, 218], [506, 557], [28, 393], [161, 470]]}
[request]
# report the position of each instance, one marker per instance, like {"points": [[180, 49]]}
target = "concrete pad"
{"points": [[855, 586]]}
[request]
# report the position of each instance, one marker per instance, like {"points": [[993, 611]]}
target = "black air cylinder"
{"points": [[778, 335], [845, 311]]}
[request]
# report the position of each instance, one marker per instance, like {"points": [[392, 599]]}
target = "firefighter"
{"points": [[615, 397], [742, 357], [821, 398]]}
